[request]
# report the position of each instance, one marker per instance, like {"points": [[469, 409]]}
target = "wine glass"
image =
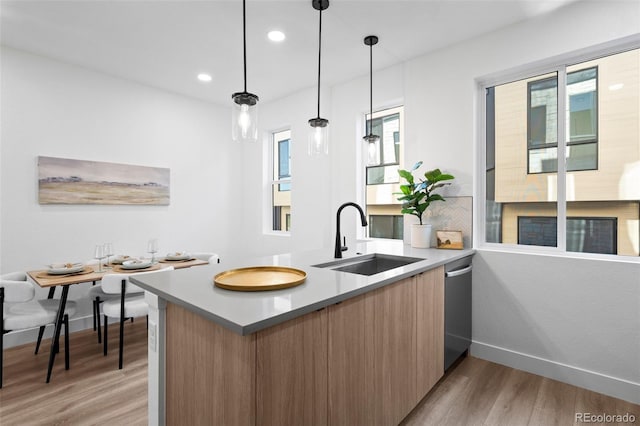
{"points": [[152, 247], [99, 254], [108, 251]]}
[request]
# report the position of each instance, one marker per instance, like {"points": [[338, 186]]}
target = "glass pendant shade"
{"points": [[318, 136], [244, 109], [372, 142], [319, 130], [244, 117]]}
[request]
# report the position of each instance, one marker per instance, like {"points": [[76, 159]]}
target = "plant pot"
{"points": [[420, 236]]}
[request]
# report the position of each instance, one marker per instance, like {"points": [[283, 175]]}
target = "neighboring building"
{"points": [[281, 184], [602, 158]]}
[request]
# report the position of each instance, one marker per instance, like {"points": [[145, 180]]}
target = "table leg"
{"points": [[52, 290], [56, 330]]}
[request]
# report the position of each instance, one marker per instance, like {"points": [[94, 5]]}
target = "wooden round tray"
{"points": [[259, 278]]}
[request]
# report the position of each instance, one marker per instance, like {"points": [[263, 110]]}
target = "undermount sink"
{"points": [[369, 264]]}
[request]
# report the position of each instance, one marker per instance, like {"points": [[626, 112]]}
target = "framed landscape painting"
{"points": [[67, 181], [449, 240]]}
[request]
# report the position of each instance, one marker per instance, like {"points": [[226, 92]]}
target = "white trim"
{"points": [[561, 160], [156, 359], [592, 380], [389, 108], [553, 252], [571, 58], [272, 181]]}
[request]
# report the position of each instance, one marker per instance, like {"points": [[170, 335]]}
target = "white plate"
{"points": [[136, 264], [120, 258], [178, 256], [65, 268]]}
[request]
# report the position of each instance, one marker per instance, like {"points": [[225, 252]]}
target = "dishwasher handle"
{"points": [[458, 272]]}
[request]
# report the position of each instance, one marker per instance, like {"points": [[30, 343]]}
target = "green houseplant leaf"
{"points": [[417, 196]]}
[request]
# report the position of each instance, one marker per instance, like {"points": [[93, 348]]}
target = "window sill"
{"points": [[554, 252], [277, 233]]}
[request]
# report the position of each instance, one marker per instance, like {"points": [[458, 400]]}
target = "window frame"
{"points": [[381, 113], [552, 64], [592, 141], [362, 185], [275, 180]]}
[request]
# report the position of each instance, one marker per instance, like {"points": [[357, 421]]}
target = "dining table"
{"points": [[89, 273]]}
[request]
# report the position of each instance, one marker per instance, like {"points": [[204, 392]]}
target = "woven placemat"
{"points": [[120, 269], [45, 274]]}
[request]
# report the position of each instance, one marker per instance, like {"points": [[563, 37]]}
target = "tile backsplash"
{"points": [[455, 214]]}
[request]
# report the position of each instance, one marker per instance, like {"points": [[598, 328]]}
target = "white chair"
{"points": [[24, 313], [209, 257], [98, 296], [129, 304]]}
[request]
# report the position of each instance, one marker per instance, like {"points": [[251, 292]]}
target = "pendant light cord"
{"points": [[370, 88], [244, 41], [319, 56]]}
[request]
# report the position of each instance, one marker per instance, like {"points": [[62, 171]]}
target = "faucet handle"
{"points": [[344, 244]]}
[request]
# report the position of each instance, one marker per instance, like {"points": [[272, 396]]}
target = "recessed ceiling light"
{"points": [[616, 86], [204, 77], [276, 35]]}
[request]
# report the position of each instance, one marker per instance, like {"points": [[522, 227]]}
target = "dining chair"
{"points": [[209, 257], [97, 296], [23, 312], [129, 304]]}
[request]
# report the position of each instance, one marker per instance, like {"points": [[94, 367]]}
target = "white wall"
{"points": [[530, 312], [572, 320], [54, 109], [310, 181]]}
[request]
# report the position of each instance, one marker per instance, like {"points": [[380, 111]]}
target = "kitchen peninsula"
{"points": [[341, 348]]}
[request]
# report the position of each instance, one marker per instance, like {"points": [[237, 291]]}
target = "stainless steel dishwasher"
{"points": [[457, 310]]}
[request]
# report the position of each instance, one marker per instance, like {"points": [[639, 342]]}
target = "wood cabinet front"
{"points": [[372, 356], [291, 373], [430, 329], [364, 361]]}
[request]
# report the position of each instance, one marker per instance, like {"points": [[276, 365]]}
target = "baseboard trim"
{"points": [[594, 381]]}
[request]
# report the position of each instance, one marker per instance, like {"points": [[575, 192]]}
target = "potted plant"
{"points": [[417, 196]]}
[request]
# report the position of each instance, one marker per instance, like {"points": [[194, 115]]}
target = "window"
{"points": [[281, 185], [588, 234], [582, 122], [382, 179], [386, 226], [590, 202], [385, 124]]}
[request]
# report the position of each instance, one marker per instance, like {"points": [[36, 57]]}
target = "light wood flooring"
{"points": [[95, 392]]}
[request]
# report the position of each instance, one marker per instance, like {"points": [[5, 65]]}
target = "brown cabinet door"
{"points": [[210, 372], [430, 329], [291, 372], [350, 360], [395, 351], [372, 353]]}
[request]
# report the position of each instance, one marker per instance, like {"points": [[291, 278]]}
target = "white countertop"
{"points": [[248, 312]]}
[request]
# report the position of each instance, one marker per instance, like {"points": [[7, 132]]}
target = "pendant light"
{"points": [[371, 141], [244, 114], [319, 132]]}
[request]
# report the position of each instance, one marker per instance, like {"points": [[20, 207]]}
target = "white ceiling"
{"points": [[165, 44]]}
